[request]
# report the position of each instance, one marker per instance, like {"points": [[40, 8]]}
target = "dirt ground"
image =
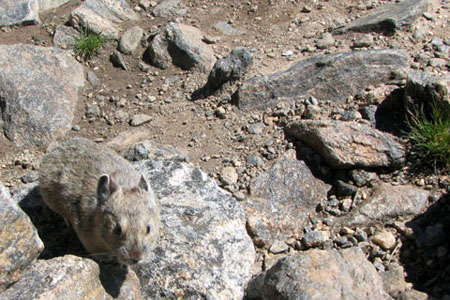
{"points": [[269, 28]]}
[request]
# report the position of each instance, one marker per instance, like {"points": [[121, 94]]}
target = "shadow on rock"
{"points": [[112, 277], [425, 254]]}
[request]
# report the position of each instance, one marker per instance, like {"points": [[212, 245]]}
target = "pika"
{"points": [[111, 207]]}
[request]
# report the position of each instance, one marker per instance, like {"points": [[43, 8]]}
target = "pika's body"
{"points": [[109, 204]]}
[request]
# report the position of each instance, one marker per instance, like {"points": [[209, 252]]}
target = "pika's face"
{"points": [[131, 224]]}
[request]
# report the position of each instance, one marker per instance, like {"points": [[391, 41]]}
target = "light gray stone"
{"points": [[389, 17], [346, 145], [204, 250], [326, 77], [131, 40], [226, 28], [151, 150], [65, 37], [326, 41], [72, 278], [20, 243], [25, 12], [140, 119], [168, 8], [281, 200], [388, 202], [318, 274], [39, 93]]}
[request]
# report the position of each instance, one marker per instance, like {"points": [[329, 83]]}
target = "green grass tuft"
{"points": [[88, 44], [430, 136]]}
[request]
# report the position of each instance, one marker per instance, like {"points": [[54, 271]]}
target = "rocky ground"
{"points": [[301, 126]]}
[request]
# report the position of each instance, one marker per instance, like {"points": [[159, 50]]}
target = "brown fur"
{"points": [[108, 203]]}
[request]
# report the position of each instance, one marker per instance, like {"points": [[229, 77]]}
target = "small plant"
{"points": [[88, 43], [430, 134]]}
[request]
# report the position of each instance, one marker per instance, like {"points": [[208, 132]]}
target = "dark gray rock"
{"points": [[25, 12], [71, 277], [326, 77], [349, 144], [117, 60], [204, 251], [421, 89], [344, 189], [320, 274], [39, 94], [389, 17], [281, 200], [183, 46], [65, 37], [388, 202], [20, 243], [103, 17], [168, 8]]}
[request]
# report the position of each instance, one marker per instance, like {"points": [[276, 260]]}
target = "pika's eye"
{"points": [[117, 230], [148, 229]]}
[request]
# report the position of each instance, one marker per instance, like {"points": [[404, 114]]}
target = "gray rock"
{"points": [[19, 239], [117, 60], [183, 46], [151, 150], [389, 17], [335, 76], [226, 28], [320, 274], [72, 277], [326, 41], [421, 87], [349, 144], [315, 238], [363, 41], [25, 12], [65, 37], [254, 160], [281, 200], [228, 176], [131, 40], [93, 79], [168, 8], [204, 250], [39, 94], [368, 113], [140, 119], [388, 202], [102, 16]]}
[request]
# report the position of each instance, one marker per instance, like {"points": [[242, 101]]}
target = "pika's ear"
{"points": [[105, 187], [143, 183]]}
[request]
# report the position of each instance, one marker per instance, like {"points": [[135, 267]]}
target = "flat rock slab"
{"points": [[148, 149], [320, 274], [346, 145], [388, 202], [103, 16], [25, 12], [332, 77], [182, 46], [204, 251], [168, 8], [281, 200], [72, 277], [39, 93], [20, 243], [389, 17]]}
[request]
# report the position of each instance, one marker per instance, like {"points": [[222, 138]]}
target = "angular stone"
{"points": [[20, 243], [168, 8], [103, 16], [131, 40], [151, 150], [394, 280], [45, 5], [65, 37], [204, 250], [326, 77], [229, 176], [421, 87], [117, 60], [226, 28], [388, 202], [389, 17], [184, 45], [25, 12], [385, 239], [316, 238], [319, 274], [72, 277], [346, 145], [39, 94], [140, 119], [281, 200]]}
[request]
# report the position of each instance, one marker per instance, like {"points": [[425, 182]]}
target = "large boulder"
{"points": [[204, 250], [389, 17], [182, 46], [24, 12], [346, 145], [320, 274], [281, 200], [70, 277], [20, 243], [103, 16], [332, 77], [39, 93]]}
